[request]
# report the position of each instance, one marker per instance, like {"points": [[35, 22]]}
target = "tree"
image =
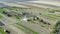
{"points": [[57, 24]]}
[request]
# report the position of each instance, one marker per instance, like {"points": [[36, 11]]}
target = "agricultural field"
{"points": [[32, 20]]}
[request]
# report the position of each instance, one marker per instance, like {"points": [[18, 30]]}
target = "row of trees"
{"points": [[44, 22]]}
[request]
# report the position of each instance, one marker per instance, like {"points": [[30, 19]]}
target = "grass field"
{"points": [[1, 16], [2, 31], [1, 10]]}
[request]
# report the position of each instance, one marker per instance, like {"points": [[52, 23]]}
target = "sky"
{"points": [[28, 0], [13, 1]]}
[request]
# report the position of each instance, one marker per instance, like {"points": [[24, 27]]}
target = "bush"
{"points": [[31, 20], [55, 31], [42, 20], [57, 24], [4, 12]]}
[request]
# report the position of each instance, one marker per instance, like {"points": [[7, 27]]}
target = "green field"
{"points": [[2, 31], [1, 10], [1, 16]]}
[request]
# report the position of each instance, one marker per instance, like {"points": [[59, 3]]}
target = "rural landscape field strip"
{"points": [[25, 28], [51, 16]]}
